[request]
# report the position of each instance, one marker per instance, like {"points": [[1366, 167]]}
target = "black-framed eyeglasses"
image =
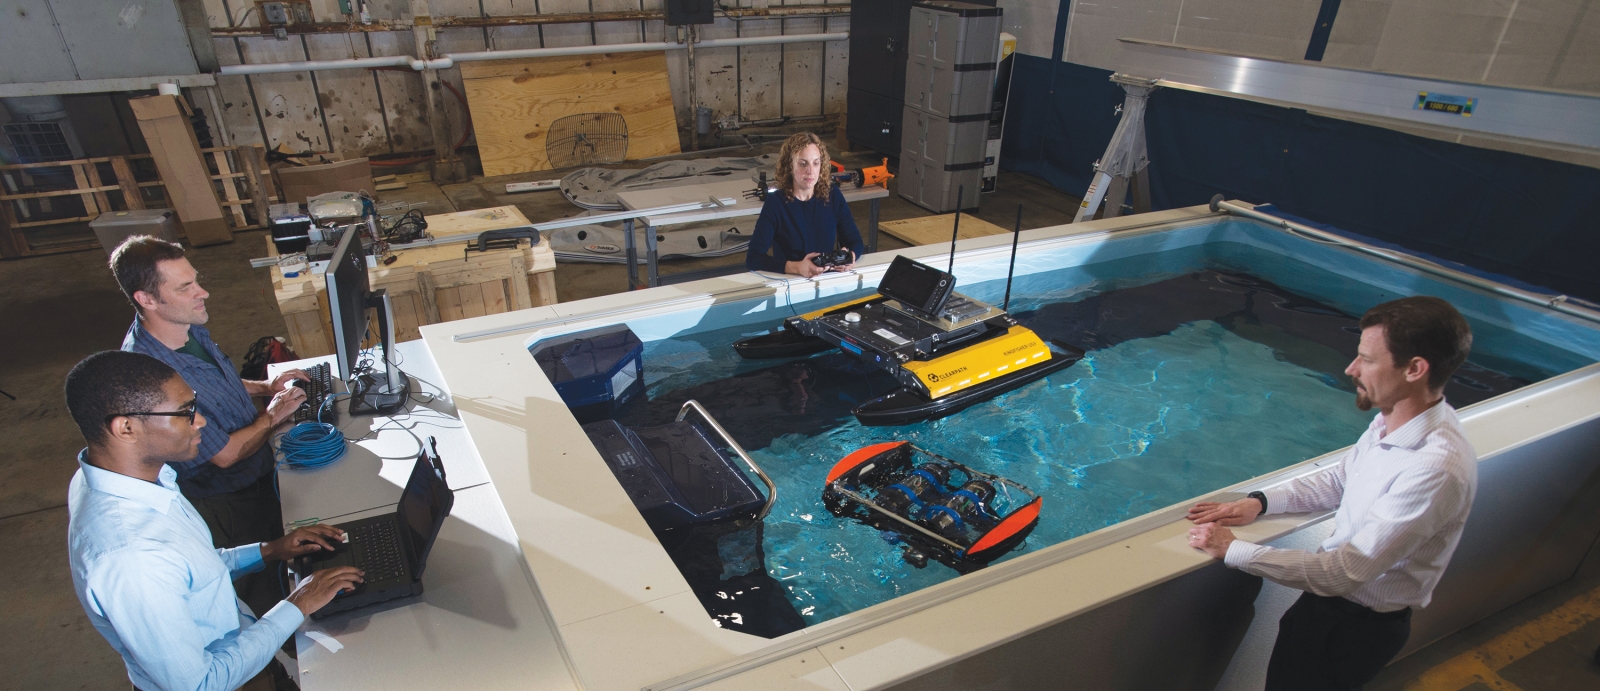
{"points": [[189, 411]]}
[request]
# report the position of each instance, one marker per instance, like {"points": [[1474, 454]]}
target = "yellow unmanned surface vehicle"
{"points": [[947, 350]]}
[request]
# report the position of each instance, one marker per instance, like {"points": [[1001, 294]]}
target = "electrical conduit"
{"points": [[450, 59]]}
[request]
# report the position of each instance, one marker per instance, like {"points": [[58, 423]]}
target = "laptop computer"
{"points": [[392, 548]]}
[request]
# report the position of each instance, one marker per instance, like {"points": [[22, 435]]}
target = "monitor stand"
{"points": [[385, 391]]}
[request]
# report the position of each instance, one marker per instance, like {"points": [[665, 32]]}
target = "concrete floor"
{"points": [[58, 309]]}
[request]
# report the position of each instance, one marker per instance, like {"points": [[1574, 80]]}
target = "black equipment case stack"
{"points": [[879, 35]]}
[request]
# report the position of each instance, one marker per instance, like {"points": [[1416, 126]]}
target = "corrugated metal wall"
{"points": [[362, 112]]}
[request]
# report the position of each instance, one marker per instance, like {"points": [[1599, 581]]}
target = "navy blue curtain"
{"points": [[1529, 218], [1058, 121]]}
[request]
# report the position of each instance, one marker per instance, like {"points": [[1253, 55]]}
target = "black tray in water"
{"points": [[673, 473]]}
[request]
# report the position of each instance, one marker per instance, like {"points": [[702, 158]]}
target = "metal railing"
{"points": [[772, 489], [1554, 302]]}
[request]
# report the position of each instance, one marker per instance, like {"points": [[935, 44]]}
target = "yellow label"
{"points": [[1018, 349]]}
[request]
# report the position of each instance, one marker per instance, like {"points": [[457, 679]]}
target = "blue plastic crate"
{"points": [[597, 372]]}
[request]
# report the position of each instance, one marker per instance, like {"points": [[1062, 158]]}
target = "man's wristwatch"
{"points": [[1258, 496]]}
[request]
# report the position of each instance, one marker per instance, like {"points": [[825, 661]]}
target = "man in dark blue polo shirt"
{"points": [[232, 482]]}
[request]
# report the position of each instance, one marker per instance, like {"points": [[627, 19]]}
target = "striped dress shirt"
{"points": [[1402, 498], [225, 403]]}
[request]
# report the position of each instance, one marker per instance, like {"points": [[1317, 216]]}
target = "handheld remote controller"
{"points": [[829, 260]]}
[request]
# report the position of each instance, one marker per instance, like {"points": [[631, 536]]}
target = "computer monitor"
{"points": [[917, 286], [376, 390]]}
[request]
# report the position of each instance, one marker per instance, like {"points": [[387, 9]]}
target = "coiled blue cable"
{"points": [[311, 445]]}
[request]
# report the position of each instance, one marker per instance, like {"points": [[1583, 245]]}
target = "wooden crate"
{"points": [[425, 286]]}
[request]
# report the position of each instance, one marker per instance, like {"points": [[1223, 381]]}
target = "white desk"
{"points": [[477, 624], [480, 622], [374, 469], [736, 189]]}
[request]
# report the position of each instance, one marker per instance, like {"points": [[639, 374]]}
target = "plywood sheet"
{"points": [[929, 230], [475, 221], [514, 102]]}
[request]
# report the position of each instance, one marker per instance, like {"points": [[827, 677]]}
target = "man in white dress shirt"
{"points": [[143, 564], [1402, 494]]}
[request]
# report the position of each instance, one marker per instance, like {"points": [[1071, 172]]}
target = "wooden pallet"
{"points": [[427, 286], [246, 193], [932, 230]]}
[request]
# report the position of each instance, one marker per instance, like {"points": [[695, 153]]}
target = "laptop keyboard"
{"points": [[381, 557], [317, 390]]}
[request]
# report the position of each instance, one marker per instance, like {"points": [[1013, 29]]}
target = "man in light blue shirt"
{"points": [[143, 564]]}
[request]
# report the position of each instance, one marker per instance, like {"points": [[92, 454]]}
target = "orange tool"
{"points": [[875, 175]]}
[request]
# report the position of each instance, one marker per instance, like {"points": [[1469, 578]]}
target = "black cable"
{"points": [[410, 227]]}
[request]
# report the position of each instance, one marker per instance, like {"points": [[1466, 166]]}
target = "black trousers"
{"points": [[1327, 643], [247, 516]]}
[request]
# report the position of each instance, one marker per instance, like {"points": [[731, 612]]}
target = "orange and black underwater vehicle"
{"points": [[943, 510]]}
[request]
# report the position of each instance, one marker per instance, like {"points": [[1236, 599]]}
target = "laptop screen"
{"points": [[423, 508]]}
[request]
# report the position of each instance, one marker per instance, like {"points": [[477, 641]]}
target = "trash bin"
{"points": [[113, 227]]}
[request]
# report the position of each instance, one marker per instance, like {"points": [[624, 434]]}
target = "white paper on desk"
{"points": [[332, 644]]}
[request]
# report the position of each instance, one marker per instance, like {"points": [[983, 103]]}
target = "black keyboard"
{"points": [[317, 390], [381, 557]]}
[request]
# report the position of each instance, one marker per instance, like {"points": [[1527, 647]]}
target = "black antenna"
{"points": [[956, 231], [1015, 235]]}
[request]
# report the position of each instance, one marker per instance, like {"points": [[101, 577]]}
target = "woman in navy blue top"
{"points": [[806, 217]]}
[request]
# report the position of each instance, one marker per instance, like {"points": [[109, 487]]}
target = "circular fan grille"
{"points": [[587, 138]]}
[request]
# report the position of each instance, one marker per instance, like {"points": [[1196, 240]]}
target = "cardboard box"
{"points": [[164, 120], [297, 183]]}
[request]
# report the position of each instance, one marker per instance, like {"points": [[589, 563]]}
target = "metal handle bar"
{"points": [[772, 489], [1552, 302], [858, 498]]}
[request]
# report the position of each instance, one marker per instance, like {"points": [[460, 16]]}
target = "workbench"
{"points": [[429, 285]]}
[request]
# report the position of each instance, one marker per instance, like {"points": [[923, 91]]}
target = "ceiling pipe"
{"points": [[450, 59], [319, 65], [768, 40], [443, 22]]}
